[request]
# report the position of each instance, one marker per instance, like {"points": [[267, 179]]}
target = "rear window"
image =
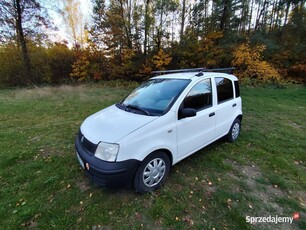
{"points": [[224, 89]]}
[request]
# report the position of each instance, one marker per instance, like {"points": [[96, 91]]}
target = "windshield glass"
{"points": [[155, 96]]}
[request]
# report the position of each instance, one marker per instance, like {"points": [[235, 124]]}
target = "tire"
{"points": [[234, 131], [152, 172]]}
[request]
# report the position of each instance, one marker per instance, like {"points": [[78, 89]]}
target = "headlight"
{"points": [[107, 151]]}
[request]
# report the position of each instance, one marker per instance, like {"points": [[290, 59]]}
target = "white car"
{"points": [[166, 119]]}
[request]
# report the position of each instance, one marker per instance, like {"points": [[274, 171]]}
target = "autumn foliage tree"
{"points": [[20, 21], [264, 40], [250, 64], [161, 60]]}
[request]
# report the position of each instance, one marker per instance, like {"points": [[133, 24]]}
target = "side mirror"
{"points": [[187, 112]]}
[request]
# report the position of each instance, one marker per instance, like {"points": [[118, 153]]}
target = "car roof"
{"points": [[195, 75]]}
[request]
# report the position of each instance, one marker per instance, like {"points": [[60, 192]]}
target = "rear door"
{"points": [[195, 132], [226, 105]]}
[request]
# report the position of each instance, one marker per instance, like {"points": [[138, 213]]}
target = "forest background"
{"points": [[127, 39]]}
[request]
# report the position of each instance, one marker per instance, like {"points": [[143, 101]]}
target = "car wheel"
{"points": [[234, 131], [152, 172]]}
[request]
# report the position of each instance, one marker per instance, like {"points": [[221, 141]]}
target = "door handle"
{"points": [[234, 104], [212, 114]]}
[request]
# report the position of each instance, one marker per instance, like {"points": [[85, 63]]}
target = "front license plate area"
{"points": [[80, 160]]}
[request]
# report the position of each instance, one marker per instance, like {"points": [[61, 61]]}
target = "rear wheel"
{"points": [[152, 172], [234, 131]]}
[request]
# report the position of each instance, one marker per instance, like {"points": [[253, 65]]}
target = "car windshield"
{"points": [[154, 97]]}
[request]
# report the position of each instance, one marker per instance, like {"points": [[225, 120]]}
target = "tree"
{"points": [[148, 21], [72, 15], [183, 19], [98, 26], [21, 20], [162, 8], [161, 60], [250, 64]]}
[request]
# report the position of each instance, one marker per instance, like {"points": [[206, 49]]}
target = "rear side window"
{"points": [[199, 97], [224, 89]]}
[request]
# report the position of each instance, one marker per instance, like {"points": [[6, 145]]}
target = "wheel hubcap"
{"points": [[154, 172], [235, 131]]}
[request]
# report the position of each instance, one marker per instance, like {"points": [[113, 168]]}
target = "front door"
{"points": [[194, 133]]}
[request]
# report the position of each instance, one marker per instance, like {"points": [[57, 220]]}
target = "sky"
{"points": [[62, 34]]}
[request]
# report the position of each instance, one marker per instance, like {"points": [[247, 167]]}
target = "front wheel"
{"points": [[234, 131], [152, 172]]}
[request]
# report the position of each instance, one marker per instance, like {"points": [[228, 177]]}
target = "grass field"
{"points": [[42, 185]]}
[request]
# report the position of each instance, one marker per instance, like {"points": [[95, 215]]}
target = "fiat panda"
{"points": [[166, 119]]}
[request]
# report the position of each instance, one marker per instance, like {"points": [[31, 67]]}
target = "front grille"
{"points": [[91, 147]]}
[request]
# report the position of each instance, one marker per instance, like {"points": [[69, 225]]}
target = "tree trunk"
{"points": [[225, 15], [287, 12], [22, 42], [183, 20], [260, 14], [250, 17], [146, 28], [126, 25]]}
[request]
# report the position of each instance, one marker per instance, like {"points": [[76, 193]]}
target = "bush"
{"points": [[11, 72], [60, 60], [249, 64]]}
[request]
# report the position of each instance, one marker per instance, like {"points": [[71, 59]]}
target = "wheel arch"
{"points": [[138, 182], [166, 151], [239, 117]]}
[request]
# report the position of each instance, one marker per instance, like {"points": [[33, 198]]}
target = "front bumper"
{"points": [[107, 174]]}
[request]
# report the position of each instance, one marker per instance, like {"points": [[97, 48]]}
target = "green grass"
{"points": [[42, 185]]}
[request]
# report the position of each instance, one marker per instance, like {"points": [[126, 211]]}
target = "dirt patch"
{"points": [[48, 91], [264, 193], [83, 185], [47, 152], [300, 196], [268, 195], [295, 125]]}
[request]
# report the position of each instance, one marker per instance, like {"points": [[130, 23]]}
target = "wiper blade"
{"points": [[122, 106], [134, 107]]}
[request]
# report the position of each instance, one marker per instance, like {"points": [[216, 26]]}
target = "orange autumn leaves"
{"points": [[250, 64]]}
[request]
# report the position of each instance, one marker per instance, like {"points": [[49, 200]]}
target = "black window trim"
{"points": [[237, 88]]}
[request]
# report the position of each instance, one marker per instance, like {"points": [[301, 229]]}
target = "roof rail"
{"points": [[223, 70]]}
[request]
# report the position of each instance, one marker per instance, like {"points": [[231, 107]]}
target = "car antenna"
{"points": [[199, 74]]}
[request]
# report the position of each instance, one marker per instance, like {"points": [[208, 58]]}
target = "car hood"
{"points": [[112, 124]]}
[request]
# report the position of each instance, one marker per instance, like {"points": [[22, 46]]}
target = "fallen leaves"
{"points": [[32, 223], [229, 203], [138, 215], [185, 219], [188, 220], [298, 162], [21, 202]]}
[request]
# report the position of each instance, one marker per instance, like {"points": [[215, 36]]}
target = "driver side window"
{"points": [[200, 96]]}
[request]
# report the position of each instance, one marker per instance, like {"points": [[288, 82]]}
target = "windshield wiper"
{"points": [[122, 106], [134, 107]]}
